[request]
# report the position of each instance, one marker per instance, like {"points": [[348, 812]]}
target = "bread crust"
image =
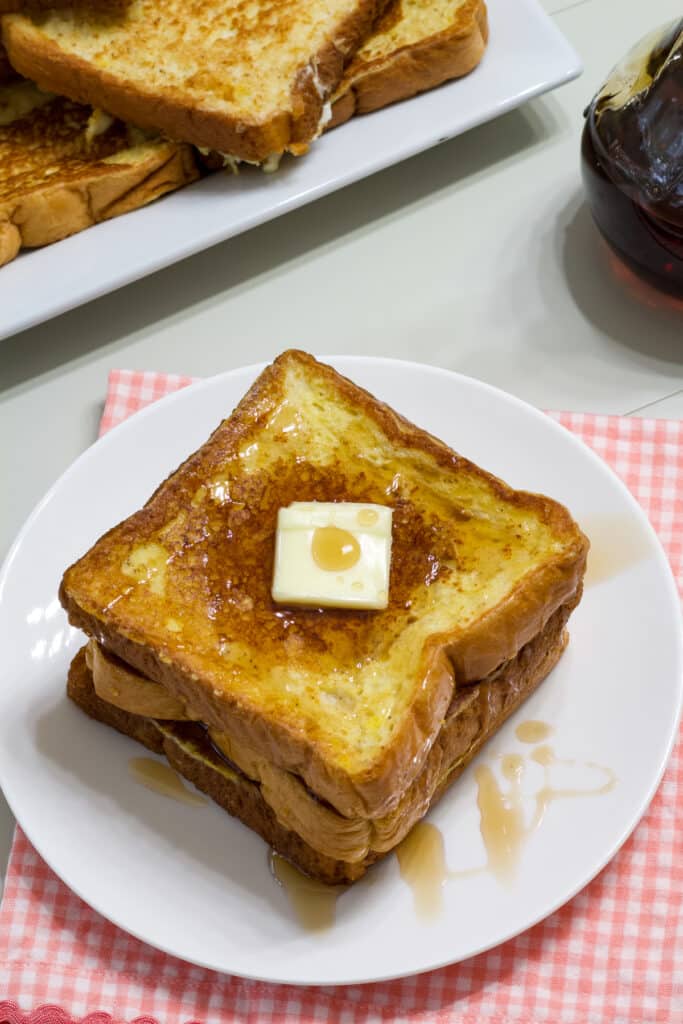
{"points": [[414, 68], [59, 209], [238, 796], [488, 705], [179, 116], [448, 660]]}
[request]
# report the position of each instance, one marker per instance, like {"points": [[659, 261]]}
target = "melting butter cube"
{"points": [[333, 555]]}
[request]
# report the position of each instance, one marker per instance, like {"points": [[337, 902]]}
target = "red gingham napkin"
{"points": [[611, 956]]}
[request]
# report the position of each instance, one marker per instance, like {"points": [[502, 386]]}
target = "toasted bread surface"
{"points": [[476, 710], [416, 45], [350, 701], [330, 850], [197, 761], [247, 80], [56, 181]]}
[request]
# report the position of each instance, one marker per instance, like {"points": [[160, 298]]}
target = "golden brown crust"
{"points": [[237, 796], [44, 62], [62, 206], [477, 713], [81, 690], [313, 88], [460, 656], [421, 65]]}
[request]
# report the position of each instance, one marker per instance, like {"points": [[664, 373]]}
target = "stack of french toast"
{"points": [[327, 722], [106, 105]]}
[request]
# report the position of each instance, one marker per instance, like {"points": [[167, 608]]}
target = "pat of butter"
{"points": [[333, 555]]}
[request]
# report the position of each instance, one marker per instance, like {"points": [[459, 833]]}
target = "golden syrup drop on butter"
{"points": [[333, 549], [161, 778], [533, 731], [501, 821], [422, 863], [314, 903], [367, 517]]}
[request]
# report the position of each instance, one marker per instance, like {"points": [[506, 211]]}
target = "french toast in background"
{"points": [[249, 81], [329, 732], [63, 169], [416, 45], [224, 101]]}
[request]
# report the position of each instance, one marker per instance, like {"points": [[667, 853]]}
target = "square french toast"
{"points": [[329, 730]]}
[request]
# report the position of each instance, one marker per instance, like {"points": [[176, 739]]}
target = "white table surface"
{"points": [[479, 256]]}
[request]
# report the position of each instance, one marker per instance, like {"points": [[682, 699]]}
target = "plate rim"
{"points": [[345, 363]]}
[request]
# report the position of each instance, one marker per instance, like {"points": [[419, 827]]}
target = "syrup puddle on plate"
{"points": [[314, 903], [533, 731], [502, 820], [422, 863], [421, 855], [616, 545], [161, 778]]}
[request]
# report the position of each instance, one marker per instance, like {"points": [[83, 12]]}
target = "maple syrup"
{"points": [[367, 517], [533, 731], [422, 863], [333, 549], [161, 778], [314, 903], [632, 158], [501, 819]]}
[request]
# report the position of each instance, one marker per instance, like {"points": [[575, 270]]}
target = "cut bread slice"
{"points": [[293, 821], [63, 169], [417, 45], [248, 81], [350, 701]]}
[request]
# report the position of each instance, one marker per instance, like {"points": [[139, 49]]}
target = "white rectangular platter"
{"points": [[527, 55]]}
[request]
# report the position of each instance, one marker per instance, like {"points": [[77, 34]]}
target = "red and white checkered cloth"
{"points": [[611, 956]]}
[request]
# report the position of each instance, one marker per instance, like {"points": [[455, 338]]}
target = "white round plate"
{"points": [[193, 882]]}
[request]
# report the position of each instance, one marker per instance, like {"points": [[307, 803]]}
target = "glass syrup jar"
{"points": [[632, 158]]}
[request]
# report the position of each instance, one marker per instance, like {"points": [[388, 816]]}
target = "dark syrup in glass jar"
{"points": [[632, 158]]}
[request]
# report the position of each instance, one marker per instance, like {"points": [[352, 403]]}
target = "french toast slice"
{"points": [[416, 45], [248, 81], [351, 702], [59, 177], [476, 711], [293, 821]]}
